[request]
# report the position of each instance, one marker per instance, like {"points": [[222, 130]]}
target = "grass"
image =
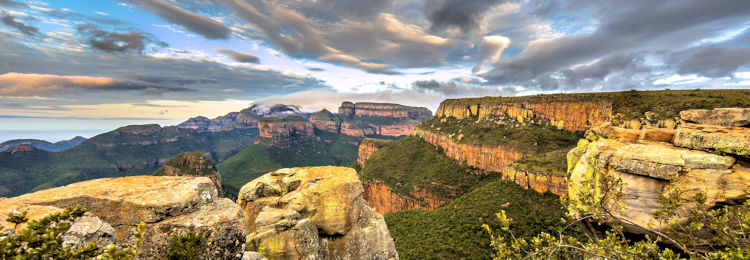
{"points": [[553, 162], [454, 231]]}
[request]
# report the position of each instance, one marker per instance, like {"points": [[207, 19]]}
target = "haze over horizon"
{"points": [[72, 68]]}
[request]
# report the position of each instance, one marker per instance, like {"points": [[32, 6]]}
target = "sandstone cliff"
{"points": [[168, 205], [539, 181], [384, 110], [313, 213], [653, 162], [367, 147], [326, 121], [192, 164], [380, 197], [563, 112], [283, 133], [486, 158]]}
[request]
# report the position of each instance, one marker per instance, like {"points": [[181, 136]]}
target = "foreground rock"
{"points": [[700, 158], [313, 213], [192, 164], [718, 116], [169, 206]]}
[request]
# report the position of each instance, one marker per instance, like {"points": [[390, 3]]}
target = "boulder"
{"points": [[168, 205], [717, 139], [718, 116], [313, 213]]}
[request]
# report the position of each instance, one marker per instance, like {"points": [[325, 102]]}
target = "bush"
{"points": [[185, 246]]}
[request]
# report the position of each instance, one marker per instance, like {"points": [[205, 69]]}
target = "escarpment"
{"points": [[487, 158], [650, 163], [192, 164], [384, 110], [169, 206], [313, 213], [538, 181], [563, 112], [380, 197], [367, 147], [283, 133]]}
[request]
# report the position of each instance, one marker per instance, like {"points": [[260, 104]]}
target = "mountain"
{"points": [[323, 139], [476, 156], [44, 145], [191, 164], [245, 119]]}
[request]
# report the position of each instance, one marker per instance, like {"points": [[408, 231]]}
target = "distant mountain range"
{"points": [[43, 145]]}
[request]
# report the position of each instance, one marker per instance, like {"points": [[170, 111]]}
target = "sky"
{"points": [[84, 67]]}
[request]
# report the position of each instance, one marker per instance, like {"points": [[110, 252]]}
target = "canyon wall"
{"points": [[283, 133], [379, 197], [486, 158], [564, 114], [539, 181], [367, 147], [384, 110]]}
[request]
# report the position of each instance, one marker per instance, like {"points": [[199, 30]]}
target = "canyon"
{"points": [[348, 109]]}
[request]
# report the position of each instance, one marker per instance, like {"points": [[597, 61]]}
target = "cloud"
{"points": [[711, 61], [459, 87], [490, 49], [465, 15], [239, 56], [19, 84], [376, 45], [10, 21], [639, 26], [11, 3], [116, 42], [209, 28]]}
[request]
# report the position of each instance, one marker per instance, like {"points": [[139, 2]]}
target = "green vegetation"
{"points": [[42, 239], [189, 163], [412, 162], [535, 135], [325, 115], [454, 231], [114, 154], [380, 120], [378, 143], [553, 162], [185, 246], [291, 118]]}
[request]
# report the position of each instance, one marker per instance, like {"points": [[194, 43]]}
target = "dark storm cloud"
{"points": [[11, 3], [629, 63], [10, 21], [170, 80], [634, 28], [711, 61], [115, 42], [209, 28], [22, 84], [316, 69], [239, 56], [458, 88], [465, 15]]}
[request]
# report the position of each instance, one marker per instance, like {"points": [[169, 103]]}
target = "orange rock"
{"points": [[486, 158], [380, 197]]}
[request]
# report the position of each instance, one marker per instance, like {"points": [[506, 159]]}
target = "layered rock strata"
{"points": [[564, 114], [313, 213], [367, 147], [486, 158], [170, 206], [384, 110], [283, 133], [380, 197], [718, 116], [698, 158], [538, 181]]}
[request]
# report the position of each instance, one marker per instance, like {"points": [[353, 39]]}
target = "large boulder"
{"points": [[718, 116], [648, 169], [170, 206], [313, 213]]}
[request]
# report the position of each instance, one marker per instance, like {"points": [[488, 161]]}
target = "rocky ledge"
{"points": [[312, 213], [170, 206]]}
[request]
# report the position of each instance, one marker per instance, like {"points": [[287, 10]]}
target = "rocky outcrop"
{"points": [[357, 129], [283, 133], [699, 158], [244, 119], [538, 181], [485, 158], [326, 121], [379, 196], [20, 149], [313, 213], [192, 164], [563, 112], [394, 130], [367, 147], [198, 122], [384, 110], [170, 206], [718, 116]]}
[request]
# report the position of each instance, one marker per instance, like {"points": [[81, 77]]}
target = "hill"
{"points": [[43, 145]]}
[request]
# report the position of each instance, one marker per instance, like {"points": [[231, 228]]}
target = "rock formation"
{"points": [[539, 181], [384, 110], [313, 213], [486, 158], [192, 164], [244, 119], [379, 196], [563, 112], [718, 116], [43, 145], [169, 206], [367, 147], [283, 133], [326, 121], [650, 163], [20, 149]]}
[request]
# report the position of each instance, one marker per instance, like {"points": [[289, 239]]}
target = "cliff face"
{"points": [[379, 196], [169, 206], [326, 121], [313, 213], [697, 158], [367, 147], [539, 181], [563, 114], [486, 158], [384, 110], [283, 133], [192, 164]]}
